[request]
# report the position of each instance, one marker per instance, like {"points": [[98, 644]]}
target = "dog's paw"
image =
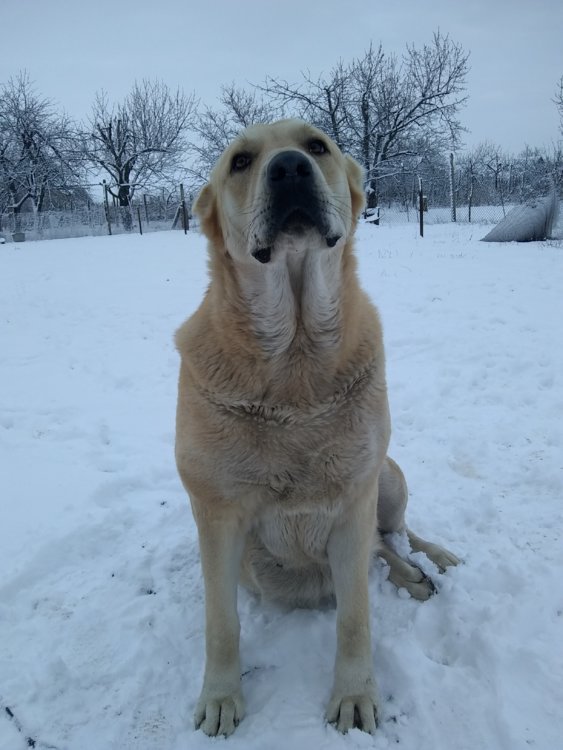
{"points": [[219, 715], [347, 712], [411, 578], [441, 557]]}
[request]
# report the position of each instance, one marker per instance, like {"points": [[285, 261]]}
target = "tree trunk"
{"points": [[123, 196], [372, 198], [124, 203]]}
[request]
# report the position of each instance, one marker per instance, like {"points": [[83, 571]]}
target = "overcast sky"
{"points": [[72, 48]]}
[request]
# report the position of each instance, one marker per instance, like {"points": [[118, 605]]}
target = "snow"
{"points": [[101, 596], [530, 221]]}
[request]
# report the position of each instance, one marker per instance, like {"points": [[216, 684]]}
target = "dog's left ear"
{"points": [[356, 184], [205, 207]]}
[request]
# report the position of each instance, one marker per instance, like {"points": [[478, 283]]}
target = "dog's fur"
{"points": [[283, 422]]}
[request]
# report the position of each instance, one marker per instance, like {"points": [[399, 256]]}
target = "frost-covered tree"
{"points": [[215, 127], [322, 101], [37, 147], [488, 175], [141, 142], [406, 108], [387, 111], [559, 103]]}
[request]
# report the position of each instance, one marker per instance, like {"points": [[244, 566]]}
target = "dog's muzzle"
{"points": [[294, 205]]}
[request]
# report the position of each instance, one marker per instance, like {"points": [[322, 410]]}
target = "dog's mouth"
{"points": [[295, 221]]}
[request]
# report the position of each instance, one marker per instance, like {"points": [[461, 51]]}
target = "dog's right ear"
{"points": [[205, 207]]}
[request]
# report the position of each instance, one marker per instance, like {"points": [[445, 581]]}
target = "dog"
{"points": [[283, 421]]}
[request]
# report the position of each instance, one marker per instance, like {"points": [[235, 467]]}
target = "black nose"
{"points": [[289, 167]]}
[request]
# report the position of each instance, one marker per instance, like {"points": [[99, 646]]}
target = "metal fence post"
{"points": [[185, 220], [420, 207], [106, 206]]}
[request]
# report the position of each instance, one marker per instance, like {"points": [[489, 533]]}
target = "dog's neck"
{"points": [[295, 298]]}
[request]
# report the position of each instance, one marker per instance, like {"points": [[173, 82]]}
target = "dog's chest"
{"points": [[312, 462], [296, 469], [305, 477]]}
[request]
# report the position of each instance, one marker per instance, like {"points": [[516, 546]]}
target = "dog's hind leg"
{"points": [[393, 497], [405, 575]]}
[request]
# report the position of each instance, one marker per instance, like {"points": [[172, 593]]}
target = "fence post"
{"points": [[452, 188], [420, 207], [139, 218], [106, 206], [185, 219]]}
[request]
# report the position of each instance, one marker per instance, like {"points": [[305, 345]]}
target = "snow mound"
{"points": [[529, 222]]}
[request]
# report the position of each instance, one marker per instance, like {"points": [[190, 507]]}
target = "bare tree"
{"points": [[140, 142], [215, 128], [558, 100], [388, 112], [497, 162], [322, 101], [405, 108], [37, 150]]}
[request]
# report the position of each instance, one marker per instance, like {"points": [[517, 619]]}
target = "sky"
{"points": [[73, 49]]}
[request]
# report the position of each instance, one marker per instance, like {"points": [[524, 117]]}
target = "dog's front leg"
{"points": [[221, 705], [354, 696]]}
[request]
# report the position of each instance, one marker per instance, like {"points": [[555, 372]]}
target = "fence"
{"points": [[476, 202], [171, 209], [80, 218], [92, 219], [464, 190], [397, 213]]}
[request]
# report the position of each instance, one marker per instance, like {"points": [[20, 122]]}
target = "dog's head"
{"points": [[280, 187]]}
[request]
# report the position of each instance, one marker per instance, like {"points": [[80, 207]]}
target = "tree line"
{"points": [[399, 116]]}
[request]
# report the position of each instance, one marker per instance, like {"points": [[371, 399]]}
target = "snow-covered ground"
{"points": [[101, 618]]}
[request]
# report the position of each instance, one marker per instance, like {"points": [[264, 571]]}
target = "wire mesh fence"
{"points": [[397, 213], [456, 196], [447, 197], [93, 219], [86, 217]]}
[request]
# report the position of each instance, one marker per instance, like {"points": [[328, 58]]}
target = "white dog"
{"points": [[283, 423]]}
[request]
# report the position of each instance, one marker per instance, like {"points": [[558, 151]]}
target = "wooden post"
{"points": [[420, 207], [139, 218], [452, 189], [146, 209], [106, 206], [185, 219]]}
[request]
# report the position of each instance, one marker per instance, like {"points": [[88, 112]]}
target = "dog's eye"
{"points": [[240, 162], [317, 147]]}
